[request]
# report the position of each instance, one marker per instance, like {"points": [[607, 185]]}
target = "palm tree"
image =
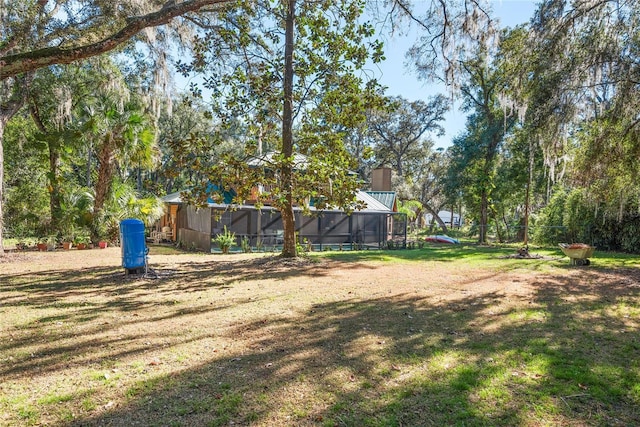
{"points": [[124, 202], [411, 208], [121, 132]]}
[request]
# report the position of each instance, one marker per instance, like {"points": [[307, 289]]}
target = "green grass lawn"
{"points": [[444, 335]]}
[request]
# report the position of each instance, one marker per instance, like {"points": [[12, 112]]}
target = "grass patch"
{"points": [[472, 254], [446, 335], [52, 399]]}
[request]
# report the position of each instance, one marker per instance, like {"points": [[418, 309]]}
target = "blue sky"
{"points": [[401, 82]]}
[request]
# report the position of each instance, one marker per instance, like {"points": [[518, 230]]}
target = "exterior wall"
{"points": [[193, 226], [195, 239], [263, 228], [198, 219]]}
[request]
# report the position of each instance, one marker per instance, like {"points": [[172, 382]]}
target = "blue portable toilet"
{"points": [[133, 245]]}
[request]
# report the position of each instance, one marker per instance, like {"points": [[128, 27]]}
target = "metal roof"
{"points": [[372, 204], [172, 198], [386, 198]]}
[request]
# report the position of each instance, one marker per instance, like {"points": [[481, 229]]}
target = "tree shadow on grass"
{"points": [[46, 286], [79, 314], [560, 355]]}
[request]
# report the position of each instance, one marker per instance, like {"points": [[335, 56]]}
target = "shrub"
{"points": [[245, 244], [225, 240]]}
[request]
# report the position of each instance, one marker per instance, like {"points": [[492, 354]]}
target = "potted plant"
{"points": [[67, 240], [225, 240], [42, 245], [82, 239], [46, 243], [101, 230]]}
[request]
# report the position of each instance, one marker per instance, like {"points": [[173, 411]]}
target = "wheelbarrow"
{"points": [[578, 253]]}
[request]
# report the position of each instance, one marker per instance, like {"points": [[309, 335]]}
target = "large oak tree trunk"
{"points": [[54, 186], [490, 155], [54, 165], [527, 200], [496, 220]]}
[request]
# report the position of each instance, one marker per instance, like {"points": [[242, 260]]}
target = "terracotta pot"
{"points": [[102, 244], [67, 245], [42, 247], [81, 246]]}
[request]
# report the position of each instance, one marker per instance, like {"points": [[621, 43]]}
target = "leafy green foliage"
{"points": [[188, 125], [572, 216], [409, 208], [294, 152], [225, 240], [576, 215], [59, 161], [629, 234], [548, 225], [26, 196], [569, 217], [579, 103]]}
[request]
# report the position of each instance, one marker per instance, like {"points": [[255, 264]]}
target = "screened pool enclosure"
{"points": [[262, 229]]}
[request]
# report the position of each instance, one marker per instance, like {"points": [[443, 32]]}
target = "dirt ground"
{"points": [[278, 335], [341, 275], [368, 278]]}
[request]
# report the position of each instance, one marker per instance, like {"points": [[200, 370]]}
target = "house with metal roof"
{"points": [[261, 229]]}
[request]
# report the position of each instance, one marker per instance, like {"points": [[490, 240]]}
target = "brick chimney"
{"points": [[381, 179]]}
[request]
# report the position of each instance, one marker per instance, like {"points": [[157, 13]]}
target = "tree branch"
{"points": [[35, 114], [14, 101], [12, 65]]}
